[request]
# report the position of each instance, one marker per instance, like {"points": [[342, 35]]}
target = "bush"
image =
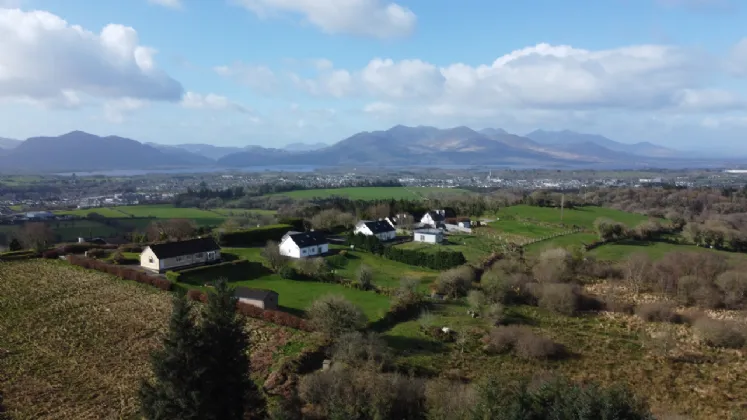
{"points": [[131, 248], [455, 282], [335, 316], [287, 272], [338, 260], [173, 276], [407, 294], [271, 254], [356, 349], [726, 334], [364, 277], [733, 287], [230, 270], [559, 297], [98, 253], [51, 254], [476, 300], [495, 313], [554, 266], [658, 312], [523, 342]]}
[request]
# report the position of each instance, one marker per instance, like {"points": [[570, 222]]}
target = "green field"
{"points": [[574, 240], [373, 193], [70, 230], [202, 217], [655, 250], [583, 217], [387, 273], [473, 248]]}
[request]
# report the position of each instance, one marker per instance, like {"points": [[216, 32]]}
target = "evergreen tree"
{"points": [[15, 245], [227, 390], [174, 394]]}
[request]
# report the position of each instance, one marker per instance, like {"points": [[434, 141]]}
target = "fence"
{"points": [[457, 228]]}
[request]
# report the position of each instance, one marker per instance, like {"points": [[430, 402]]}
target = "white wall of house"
{"points": [[289, 248], [149, 260], [362, 229], [430, 238]]}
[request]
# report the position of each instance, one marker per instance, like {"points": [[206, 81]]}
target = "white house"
{"points": [[434, 218], [303, 244], [466, 223], [381, 229], [431, 236], [175, 255]]}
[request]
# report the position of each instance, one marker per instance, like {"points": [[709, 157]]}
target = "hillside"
{"points": [[566, 138], [80, 151], [6, 143]]}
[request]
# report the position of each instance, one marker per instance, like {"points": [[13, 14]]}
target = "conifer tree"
{"points": [[174, 393], [227, 390]]}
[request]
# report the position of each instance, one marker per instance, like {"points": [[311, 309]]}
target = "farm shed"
{"points": [[265, 299], [431, 236]]}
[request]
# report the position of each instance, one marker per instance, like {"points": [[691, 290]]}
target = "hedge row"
{"points": [[16, 253], [80, 248], [238, 269], [251, 311], [256, 236], [120, 271], [440, 260], [15, 256]]}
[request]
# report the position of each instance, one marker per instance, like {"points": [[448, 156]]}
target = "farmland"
{"points": [[550, 217], [373, 193], [70, 230], [92, 336]]}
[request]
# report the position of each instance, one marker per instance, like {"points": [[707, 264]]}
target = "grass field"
{"points": [[387, 273], [583, 217], [472, 247], [373, 193], [74, 344], [605, 349], [202, 217], [656, 250], [574, 240]]}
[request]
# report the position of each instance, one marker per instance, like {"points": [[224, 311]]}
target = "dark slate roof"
{"points": [[256, 294], [304, 239], [379, 226], [437, 217], [191, 246]]}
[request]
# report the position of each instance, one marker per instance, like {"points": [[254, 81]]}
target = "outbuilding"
{"points": [[431, 236], [265, 299]]}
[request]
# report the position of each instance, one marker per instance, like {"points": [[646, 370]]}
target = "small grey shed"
{"points": [[265, 299]]}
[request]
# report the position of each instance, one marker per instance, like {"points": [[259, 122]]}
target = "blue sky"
{"points": [[271, 72]]}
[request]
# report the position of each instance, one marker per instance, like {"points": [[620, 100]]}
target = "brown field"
{"points": [[75, 344]]}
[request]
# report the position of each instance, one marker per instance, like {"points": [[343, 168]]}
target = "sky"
{"points": [[273, 72]]}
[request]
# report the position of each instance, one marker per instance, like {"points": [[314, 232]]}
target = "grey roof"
{"points": [[191, 246], [379, 226], [429, 231], [304, 239], [437, 217], [256, 294]]}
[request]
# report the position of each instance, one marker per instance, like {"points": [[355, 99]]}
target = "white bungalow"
{"points": [[303, 244], [175, 255], [381, 229], [434, 218], [431, 236]]}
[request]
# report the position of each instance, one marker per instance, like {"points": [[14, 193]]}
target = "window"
{"points": [[422, 237], [179, 259], [312, 250], [200, 255], [150, 260]]}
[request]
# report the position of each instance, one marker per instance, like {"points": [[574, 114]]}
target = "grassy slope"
{"points": [[583, 216], [473, 248], [71, 230], [78, 342], [371, 193]]}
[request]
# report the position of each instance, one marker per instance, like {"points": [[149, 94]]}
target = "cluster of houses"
{"points": [[169, 256]]}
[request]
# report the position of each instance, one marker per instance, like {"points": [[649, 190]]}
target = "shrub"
{"points": [[98, 253], [733, 287], [364, 277], [51, 254], [271, 254], [131, 248], [559, 297], [173, 276], [355, 348], [476, 300], [495, 286], [335, 315], [338, 260], [554, 266], [658, 312], [523, 342], [726, 334], [287, 272], [455, 282], [495, 313], [407, 294]]}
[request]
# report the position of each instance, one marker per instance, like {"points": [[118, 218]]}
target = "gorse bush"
{"points": [[334, 316], [658, 312], [716, 333], [523, 342]]}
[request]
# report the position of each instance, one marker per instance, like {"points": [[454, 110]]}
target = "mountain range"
{"points": [[397, 146]]}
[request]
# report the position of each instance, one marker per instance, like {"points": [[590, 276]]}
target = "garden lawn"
{"points": [[582, 216], [472, 249], [574, 240], [373, 193], [387, 273], [297, 296]]}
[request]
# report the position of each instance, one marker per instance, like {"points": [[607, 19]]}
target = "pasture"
{"points": [[474, 248], [202, 217], [70, 230], [75, 344], [373, 193], [550, 218]]}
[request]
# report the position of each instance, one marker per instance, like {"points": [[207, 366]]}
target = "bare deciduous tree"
{"points": [[637, 269], [271, 253], [36, 236], [180, 228]]}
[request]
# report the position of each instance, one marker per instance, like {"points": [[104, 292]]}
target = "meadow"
{"points": [[549, 217], [474, 248], [70, 230], [75, 344], [373, 193]]}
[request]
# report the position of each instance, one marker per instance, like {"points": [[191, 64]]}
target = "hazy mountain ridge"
{"points": [[6, 143], [399, 145]]}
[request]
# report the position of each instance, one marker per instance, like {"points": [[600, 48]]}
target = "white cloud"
{"points": [[737, 61], [171, 4], [258, 78], [44, 59], [211, 101], [10, 4], [373, 18], [539, 77], [115, 111]]}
